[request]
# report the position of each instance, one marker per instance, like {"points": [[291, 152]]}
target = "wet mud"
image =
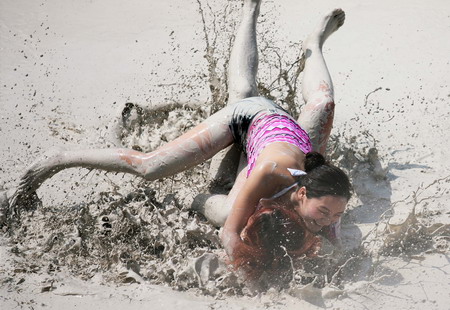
{"points": [[150, 235]]}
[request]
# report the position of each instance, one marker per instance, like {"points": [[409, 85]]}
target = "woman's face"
{"points": [[319, 212]]}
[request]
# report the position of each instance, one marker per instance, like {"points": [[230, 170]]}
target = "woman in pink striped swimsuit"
{"points": [[280, 168]]}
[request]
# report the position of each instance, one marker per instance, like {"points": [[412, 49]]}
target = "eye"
{"points": [[324, 211]]}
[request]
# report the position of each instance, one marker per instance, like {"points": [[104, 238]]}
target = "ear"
{"points": [[301, 193]]}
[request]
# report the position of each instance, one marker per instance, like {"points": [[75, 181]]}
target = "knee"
{"points": [[151, 171], [213, 207], [322, 103]]}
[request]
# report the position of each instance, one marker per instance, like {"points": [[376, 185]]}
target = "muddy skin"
{"points": [[192, 148]]}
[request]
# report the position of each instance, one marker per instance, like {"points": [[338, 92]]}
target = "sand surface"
{"points": [[67, 68]]}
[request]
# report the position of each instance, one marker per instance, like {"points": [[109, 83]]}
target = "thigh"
{"points": [[194, 147]]}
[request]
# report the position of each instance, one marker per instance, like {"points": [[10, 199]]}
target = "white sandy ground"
{"points": [[66, 67]]}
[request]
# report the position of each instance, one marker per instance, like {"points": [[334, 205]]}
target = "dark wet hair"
{"points": [[272, 237], [323, 179]]}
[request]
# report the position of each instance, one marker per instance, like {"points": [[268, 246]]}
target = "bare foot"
{"points": [[329, 24], [42, 169], [252, 6]]}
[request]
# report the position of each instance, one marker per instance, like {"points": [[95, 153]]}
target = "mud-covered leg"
{"points": [[242, 70], [216, 207], [190, 149], [243, 65], [317, 88]]}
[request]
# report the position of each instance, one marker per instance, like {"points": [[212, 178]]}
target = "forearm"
{"points": [[229, 241]]}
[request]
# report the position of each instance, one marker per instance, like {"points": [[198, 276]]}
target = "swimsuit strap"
{"points": [[283, 191], [295, 173]]}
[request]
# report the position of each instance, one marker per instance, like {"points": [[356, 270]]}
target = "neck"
{"points": [[289, 199], [293, 198]]}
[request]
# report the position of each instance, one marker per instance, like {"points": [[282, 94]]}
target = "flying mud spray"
{"points": [[149, 234]]}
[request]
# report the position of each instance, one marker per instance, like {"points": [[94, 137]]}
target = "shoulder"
{"points": [[271, 175], [284, 154], [268, 168]]}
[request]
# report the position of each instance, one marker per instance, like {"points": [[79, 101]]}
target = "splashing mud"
{"points": [[150, 235]]}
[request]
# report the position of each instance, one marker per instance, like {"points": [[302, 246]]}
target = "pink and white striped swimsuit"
{"points": [[270, 128]]}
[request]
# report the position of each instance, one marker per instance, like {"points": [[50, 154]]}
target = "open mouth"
{"points": [[317, 224], [314, 226]]}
